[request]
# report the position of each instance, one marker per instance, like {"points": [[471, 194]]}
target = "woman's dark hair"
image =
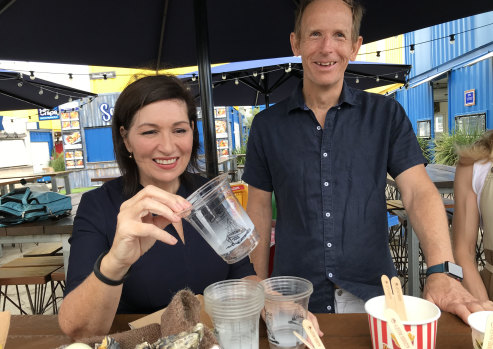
{"points": [[135, 96]]}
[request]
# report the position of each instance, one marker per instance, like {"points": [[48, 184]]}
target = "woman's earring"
{"points": [[130, 156]]}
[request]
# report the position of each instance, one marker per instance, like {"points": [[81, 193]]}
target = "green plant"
{"points": [[426, 146], [445, 145], [57, 161], [240, 160]]}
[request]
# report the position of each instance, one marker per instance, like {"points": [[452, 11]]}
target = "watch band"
{"points": [[438, 268], [448, 268], [104, 279]]}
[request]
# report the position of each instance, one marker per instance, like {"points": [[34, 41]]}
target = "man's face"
{"points": [[324, 43]]}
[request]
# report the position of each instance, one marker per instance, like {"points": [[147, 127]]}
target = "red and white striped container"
{"points": [[421, 324]]}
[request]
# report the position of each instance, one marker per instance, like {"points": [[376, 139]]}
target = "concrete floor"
{"points": [[10, 253]]}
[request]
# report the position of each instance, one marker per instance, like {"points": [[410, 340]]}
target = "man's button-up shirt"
{"points": [[329, 185]]}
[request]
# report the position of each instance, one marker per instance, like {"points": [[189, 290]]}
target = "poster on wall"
{"points": [[72, 139]]}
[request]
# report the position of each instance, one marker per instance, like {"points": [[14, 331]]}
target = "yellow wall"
{"points": [[367, 52]]}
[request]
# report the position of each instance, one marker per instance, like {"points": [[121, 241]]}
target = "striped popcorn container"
{"points": [[421, 324]]}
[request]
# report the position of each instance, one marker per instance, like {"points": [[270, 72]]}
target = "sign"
{"points": [[72, 139], [106, 112], [47, 114], [102, 75], [469, 97]]}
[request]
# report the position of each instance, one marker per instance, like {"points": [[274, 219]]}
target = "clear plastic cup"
{"points": [[421, 323], [234, 307], [221, 220], [286, 306]]}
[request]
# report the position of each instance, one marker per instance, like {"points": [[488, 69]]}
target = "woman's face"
{"points": [[160, 139]]}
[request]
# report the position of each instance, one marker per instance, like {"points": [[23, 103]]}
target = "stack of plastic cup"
{"points": [[234, 307], [286, 306]]}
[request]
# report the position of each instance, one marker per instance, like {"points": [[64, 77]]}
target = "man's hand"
{"points": [[449, 295]]}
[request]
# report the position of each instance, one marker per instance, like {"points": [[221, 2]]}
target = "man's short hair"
{"points": [[356, 9]]}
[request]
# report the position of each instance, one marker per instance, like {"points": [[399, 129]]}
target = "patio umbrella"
{"points": [[18, 91], [267, 81], [167, 33]]}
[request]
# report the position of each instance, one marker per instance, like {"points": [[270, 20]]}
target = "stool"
{"points": [[57, 281], [37, 276]]}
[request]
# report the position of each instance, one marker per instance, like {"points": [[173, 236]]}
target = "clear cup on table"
{"points": [[234, 307], [218, 216], [286, 306]]}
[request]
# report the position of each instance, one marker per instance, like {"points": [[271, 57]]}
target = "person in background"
{"points": [[130, 251], [325, 152], [473, 196]]}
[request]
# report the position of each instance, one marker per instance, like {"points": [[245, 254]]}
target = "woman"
{"points": [[473, 188], [121, 259]]}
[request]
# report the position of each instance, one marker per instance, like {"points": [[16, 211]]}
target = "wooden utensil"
{"points": [[312, 334], [398, 329], [303, 340], [387, 290], [400, 307], [488, 333]]}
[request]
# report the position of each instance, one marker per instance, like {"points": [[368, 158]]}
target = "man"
{"points": [[325, 152]]}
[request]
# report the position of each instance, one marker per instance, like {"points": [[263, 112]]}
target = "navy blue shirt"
{"points": [[330, 188], [162, 270]]}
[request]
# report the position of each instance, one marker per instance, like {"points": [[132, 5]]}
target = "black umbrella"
{"points": [[167, 33], [267, 81], [18, 91]]}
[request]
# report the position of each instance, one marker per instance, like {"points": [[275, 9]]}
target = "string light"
{"points": [[105, 77], [288, 69], [56, 96], [19, 84], [32, 75], [378, 53], [40, 91], [411, 49], [236, 81], [70, 76], [70, 99], [223, 76], [194, 77], [452, 38], [396, 76], [262, 76], [357, 80], [377, 79], [255, 73]]}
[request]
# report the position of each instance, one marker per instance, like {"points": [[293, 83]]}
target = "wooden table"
{"points": [[34, 262], [103, 179], [347, 331], [44, 231], [443, 178], [8, 184]]}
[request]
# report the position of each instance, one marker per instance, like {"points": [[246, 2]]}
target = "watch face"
{"points": [[454, 269]]}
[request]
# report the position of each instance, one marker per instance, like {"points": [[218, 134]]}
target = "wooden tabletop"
{"points": [[441, 175], [43, 261], [348, 331], [44, 249], [26, 275]]}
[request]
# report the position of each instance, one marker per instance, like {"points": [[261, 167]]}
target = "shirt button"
{"points": [[338, 108], [319, 128], [325, 155], [327, 214], [326, 184], [330, 275], [329, 308], [329, 244]]}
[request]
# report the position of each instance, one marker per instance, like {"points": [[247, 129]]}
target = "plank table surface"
{"points": [[44, 249], [348, 331], [26, 275], [43, 261]]}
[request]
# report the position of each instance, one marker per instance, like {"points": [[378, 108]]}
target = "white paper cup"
{"points": [[477, 321], [422, 318]]}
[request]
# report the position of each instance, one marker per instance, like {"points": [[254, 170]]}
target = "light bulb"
{"points": [[255, 74], [56, 96], [396, 76], [40, 91], [70, 99], [288, 69], [194, 77], [236, 81], [411, 49], [70, 76], [19, 84], [223, 76], [377, 79], [357, 80], [32, 75], [262, 76], [378, 53], [452, 38]]}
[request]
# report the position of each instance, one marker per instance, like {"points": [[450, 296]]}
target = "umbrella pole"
{"points": [[205, 84]]}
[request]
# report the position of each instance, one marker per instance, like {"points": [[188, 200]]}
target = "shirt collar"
{"points": [[348, 95]]}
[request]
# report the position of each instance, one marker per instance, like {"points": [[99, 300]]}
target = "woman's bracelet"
{"points": [[104, 279]]}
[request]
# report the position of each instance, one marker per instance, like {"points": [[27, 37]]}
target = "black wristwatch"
{"points": [[449, 268]]}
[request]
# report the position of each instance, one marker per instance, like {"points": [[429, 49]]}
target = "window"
{"points": [[424, 129], [471, 123], [99, 144]]}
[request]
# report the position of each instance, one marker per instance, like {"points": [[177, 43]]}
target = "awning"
{"points": [[479, 59], [430, 78]]}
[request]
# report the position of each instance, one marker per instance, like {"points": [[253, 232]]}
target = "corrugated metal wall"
{"points": [[418, 103], [478, 77]]}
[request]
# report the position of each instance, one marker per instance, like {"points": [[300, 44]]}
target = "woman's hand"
{"points": [[140, 223]]}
